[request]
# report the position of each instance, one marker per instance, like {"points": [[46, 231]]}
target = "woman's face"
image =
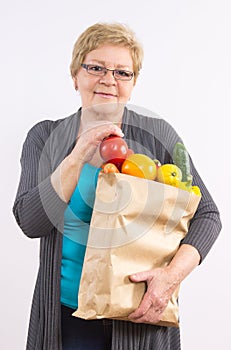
{"points": [[98, 90]]}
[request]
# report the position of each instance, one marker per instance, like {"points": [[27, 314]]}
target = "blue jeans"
{"points": [[79, 334]]}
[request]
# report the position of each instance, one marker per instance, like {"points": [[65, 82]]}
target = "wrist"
{"points": [[183, 263], [175, 275], [74, 161]]}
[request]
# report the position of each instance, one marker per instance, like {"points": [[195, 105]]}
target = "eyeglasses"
{"points": [[118, 74]]}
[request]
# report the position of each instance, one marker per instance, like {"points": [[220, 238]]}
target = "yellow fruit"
{"points": [[185, 185], [196, 190], [139, 165], [169, 174]]}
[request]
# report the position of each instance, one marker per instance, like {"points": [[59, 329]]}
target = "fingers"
{"points": [[151, 316], [147, 312], [142, 309], [102, 129], [154, 300], [140, 276], [89, 140], [102, 133]]}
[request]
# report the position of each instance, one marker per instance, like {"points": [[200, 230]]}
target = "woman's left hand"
{"points": [[160, 287]]}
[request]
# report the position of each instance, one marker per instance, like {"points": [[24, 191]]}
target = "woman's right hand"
{"points": [[90, 138], [65, 178]]}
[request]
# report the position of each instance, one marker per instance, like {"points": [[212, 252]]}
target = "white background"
{"points": [[186, 79]]}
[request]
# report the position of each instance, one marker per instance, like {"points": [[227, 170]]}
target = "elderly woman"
{"points": [[60, 163]]}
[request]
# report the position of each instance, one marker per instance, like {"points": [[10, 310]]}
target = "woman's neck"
{"points": [[99, 115]]}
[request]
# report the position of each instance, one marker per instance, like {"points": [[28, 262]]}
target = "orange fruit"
{"points": [[169, 174], [139, 165], [109, 168]]}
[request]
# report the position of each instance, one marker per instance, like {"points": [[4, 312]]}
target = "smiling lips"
{"points": [[105, 94]]}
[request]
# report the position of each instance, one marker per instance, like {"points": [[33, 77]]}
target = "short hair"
{"points": [[106, 33]]}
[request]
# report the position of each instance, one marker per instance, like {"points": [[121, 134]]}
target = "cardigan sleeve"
{"points": [[37, 207], [206, 225]]}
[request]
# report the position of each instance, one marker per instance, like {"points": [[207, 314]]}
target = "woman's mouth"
{"points": [[105, 94]]}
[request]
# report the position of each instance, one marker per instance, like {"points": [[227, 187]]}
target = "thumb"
{"points": [[140, 276]]}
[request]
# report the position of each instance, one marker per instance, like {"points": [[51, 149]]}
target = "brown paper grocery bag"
{"points": [[136, 225]]}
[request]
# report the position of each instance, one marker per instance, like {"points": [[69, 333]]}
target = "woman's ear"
{"points": [[75, 83]]}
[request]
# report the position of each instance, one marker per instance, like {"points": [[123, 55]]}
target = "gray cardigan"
{"points": [[39, 212]]}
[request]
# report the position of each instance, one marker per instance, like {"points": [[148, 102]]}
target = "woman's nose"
{"points": [[108, 78]]}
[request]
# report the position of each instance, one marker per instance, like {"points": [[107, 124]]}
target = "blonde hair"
{"points": [[106, 33]]}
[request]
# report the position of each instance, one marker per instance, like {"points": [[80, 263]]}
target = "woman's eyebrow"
{"points": [[122, 66], [97, 61]]}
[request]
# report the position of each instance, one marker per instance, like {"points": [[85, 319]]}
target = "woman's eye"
{"points": [[123, 73], [95, 68]]}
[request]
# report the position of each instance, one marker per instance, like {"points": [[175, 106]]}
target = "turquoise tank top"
{"points": [[77, 219]]}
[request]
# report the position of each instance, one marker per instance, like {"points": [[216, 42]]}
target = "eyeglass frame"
{"points": [[105, 70]]}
